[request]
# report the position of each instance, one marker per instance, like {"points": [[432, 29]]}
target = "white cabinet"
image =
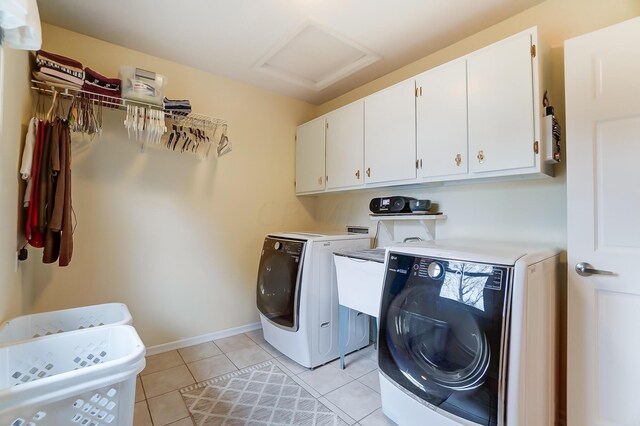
{"points": [[310, 161], [345, 147], [390, 134], [503, 105], [475, 117], [441, 121]]}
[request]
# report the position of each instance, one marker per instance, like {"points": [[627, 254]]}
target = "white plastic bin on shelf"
{"points": [[46, 323], [85, 377]]}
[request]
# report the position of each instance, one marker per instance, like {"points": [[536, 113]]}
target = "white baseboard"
{"points": [[183, 343]]}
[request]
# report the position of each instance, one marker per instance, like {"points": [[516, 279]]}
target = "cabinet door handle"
{"points": [[458, 160], [368, 171], [480, 157], [320, 180], [358, 174]]}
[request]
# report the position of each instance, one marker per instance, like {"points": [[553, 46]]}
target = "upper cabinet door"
{"points": [[390, 134], [310, 156], [345, 146], [441, 118], [501, 105]]}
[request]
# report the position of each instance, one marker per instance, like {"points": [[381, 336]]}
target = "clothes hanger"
{"points": [[53, 104]]}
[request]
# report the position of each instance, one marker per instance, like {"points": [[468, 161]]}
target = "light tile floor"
{"points": [[352, 393]]}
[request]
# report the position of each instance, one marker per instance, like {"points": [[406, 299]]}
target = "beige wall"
{"points": [[176, 239], [14, 114]]}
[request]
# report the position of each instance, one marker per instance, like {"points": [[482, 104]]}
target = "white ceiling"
{"points": [[233, 38]]}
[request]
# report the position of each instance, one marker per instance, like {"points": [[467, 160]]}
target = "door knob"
{"points": [[368, 171], [586, 269], [358, 174], [458, 160], [480, 156]]}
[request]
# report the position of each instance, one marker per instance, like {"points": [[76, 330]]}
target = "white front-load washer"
{"points": [[297, 296], [467, 334]]}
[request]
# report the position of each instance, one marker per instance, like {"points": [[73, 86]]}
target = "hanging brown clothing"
{"points": [[45, 178], [52, 237], [66, 237]]}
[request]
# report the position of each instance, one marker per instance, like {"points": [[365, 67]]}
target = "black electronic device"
{"points": [[390, 205]]}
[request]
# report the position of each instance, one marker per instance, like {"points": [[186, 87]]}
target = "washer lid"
{"points": [[324, 236], [493, 252]]}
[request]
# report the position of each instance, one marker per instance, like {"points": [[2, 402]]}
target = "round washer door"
{"points": [[278, 281], [436, 340]]}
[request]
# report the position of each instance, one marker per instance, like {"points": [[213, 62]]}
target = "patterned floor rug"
{"points": [[257, 396]]}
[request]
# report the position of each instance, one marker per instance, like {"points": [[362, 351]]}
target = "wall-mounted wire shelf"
{"points": [[48, 88], [178, 118]]}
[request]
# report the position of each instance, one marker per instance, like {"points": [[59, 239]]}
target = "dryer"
{"points": [[467, 334], [297, 296]]}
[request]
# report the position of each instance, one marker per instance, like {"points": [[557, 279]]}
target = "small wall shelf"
{"points": [[428, 222]]}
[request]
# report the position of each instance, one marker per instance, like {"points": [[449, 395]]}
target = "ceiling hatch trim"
{"points": [[315, 57]]}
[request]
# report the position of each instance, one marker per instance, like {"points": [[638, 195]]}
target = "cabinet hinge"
{"points": [[533, 50], [536, 147]]}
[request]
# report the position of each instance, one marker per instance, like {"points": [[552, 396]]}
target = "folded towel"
{"points": [[99, 90], [58, 82], [61, 75], [60, 63], [96, 79], [63, 60]]}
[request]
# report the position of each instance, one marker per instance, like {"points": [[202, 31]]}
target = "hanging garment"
{"points": [[35, 237], [45, 178], [20, 22], [27, 158], [66, 237], [52, 240]]}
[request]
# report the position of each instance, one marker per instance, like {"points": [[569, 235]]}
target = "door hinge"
{"points": [[536, 147], [533, 50]]}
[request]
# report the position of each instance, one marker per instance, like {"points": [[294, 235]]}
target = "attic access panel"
{"points": [[315, 58]]}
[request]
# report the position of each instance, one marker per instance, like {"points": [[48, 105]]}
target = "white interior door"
{"points": [[602, 75]]}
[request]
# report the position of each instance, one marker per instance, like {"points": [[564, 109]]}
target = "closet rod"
{"points": [[119, 103]]}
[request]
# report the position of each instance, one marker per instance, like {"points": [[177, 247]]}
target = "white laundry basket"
{"points": [[85, 377], [46, 323]]}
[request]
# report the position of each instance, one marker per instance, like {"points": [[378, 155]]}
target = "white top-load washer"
{"points": [[468, 334], [297, 296]]}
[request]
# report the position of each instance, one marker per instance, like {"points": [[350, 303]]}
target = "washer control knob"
{"points": [[434, 270], [277, 245]]}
